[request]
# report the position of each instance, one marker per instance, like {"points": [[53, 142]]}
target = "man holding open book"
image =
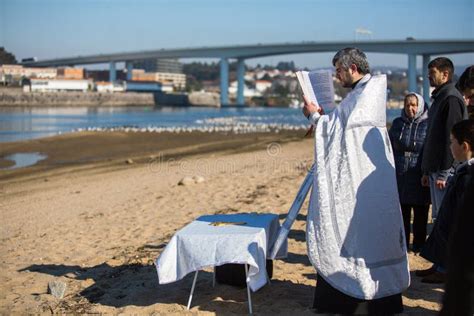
{"points": [[355, 232]]}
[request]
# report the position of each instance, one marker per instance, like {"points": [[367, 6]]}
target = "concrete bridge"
{"points": [[410, 47]]}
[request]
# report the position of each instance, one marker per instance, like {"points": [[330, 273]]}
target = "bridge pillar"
{"points": [[412, 73], [129, 66], [224, 82], [112, 72], [426, 81], [240, 82]]}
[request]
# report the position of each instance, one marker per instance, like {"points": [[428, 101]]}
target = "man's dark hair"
{"points": [[352, 55], [466, 81], [443, 64], [463, 131]]}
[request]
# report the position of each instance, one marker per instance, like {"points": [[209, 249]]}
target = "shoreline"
{"points": [[16, 98], [118, 149]]}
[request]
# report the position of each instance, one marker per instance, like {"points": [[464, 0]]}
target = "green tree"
{"points": [[286, 65], [281, 90], [202, 71], [266, 77], [6, 57]]}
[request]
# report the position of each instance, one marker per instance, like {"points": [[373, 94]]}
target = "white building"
{"points": [[248, 92], [262, 85], [249, 76], [42, 73], [28, 72], [177, 80], [167, 87], [48, 85], [106, 86]]}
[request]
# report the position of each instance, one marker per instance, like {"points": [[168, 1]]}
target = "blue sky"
{"points": [[63, 28]]}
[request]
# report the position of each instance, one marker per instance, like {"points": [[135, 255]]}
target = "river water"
{"points": [[28, 123]]}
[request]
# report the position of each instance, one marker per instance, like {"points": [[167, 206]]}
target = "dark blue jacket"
{"points": [[436, 246], [459, 290], [407, 137]]}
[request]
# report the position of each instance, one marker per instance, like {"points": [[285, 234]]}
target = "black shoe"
{"points": [[435, 278], [426, 272]]}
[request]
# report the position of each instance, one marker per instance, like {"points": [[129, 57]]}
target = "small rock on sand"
{"points": [[57, 288], [191, 180], [186, 181], [198, 179]]}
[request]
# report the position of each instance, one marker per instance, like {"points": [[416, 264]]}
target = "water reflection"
{"points": [[24, 160]]}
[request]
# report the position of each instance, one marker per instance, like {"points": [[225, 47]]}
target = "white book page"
{"points": [[302, 82], [322, 86], [310, 91]]}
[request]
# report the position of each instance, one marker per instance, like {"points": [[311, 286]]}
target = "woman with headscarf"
{"points": [[407, 136]]}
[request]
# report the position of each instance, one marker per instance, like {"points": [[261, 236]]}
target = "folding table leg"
{"points": [[192, 290], [248, 288]]}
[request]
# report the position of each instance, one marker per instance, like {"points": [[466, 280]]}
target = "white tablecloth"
{"points": [[200, 245]]}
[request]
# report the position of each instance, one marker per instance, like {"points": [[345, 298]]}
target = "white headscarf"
{"points": [[421, 104]]}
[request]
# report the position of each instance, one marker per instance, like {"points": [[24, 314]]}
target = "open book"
{"points": [[317, 86]]}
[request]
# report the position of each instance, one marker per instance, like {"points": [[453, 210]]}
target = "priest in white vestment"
{"points": [[355, 235]]}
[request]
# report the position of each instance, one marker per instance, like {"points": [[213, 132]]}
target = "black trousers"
{"points": [[329, 300], [420, 220]]}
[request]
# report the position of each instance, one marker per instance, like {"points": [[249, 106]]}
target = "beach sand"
{"points": [[86, 217]]}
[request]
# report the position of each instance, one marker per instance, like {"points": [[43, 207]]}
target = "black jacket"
{"points": [[459, 292], [436, 246], [407, 137], [447, 109]]}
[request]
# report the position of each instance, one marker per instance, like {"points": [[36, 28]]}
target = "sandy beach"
{"points": [[99, 210]]}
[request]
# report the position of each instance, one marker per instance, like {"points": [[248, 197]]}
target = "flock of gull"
{"points": [[237, 129], [227, 125]]}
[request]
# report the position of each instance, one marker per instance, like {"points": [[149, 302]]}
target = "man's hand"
{"points": [[440, 184], [309, 107], [425, 181]]}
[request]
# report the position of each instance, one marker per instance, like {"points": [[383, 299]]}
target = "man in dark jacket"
{"points": [[446, 110], [465, 85]]}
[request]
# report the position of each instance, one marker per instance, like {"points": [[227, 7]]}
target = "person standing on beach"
{"points": [[446, 110], [355, 234], [458, 296], [407, 135], [465, 85], [436, 247]]}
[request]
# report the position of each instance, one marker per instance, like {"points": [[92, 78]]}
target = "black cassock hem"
{"points": [[329, 300]]}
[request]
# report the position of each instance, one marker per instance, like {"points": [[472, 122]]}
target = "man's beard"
{"points": [[346, 84]]}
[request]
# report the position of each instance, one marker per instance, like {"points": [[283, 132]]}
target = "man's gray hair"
{"points": [[351, 55]]}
